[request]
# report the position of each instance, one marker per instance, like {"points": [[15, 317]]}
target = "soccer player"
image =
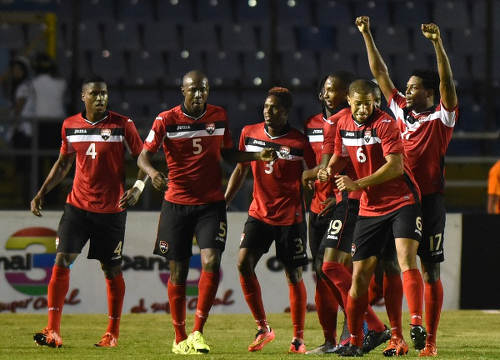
{"points": [[494, 189], [193, 135], [332, 96], [276, 213], [95, 207], [426, 130], [369, 139]]}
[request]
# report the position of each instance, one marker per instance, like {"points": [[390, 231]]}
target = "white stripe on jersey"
{"points": [[315, 138], [361, 141], [255, 148], [93, 138], [194, 133]]}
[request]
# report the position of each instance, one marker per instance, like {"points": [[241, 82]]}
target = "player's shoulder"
{"points": [[295, 133], [253, 128], [215, 109], [314, 120], [119, 118], [381, 117]]}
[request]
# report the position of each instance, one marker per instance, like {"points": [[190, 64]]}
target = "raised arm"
{"points": [[58, 172], [446, 85], [377, 65], [235, 181]]}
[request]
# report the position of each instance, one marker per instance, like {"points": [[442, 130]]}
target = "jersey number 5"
{"points": [[91, 151], [197, 146]]}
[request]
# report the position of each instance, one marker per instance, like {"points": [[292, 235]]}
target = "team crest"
{"points": [[105, 133], [210, 128], [284, 151], [368, 135], [163, 246], [353, 249]]}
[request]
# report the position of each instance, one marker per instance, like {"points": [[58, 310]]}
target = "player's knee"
{"points": [[391, 267], [294, 275], [111, 271], [65, 260], [431, 272]]}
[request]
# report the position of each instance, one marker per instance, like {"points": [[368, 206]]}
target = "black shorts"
{"points": [[371, 232], [317, 226], [106, 233], [291, 241], [434, 218], [178, 225], [339, 234]]}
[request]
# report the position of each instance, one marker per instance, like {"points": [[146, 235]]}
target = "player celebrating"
{"points": [[332, 96], [97, 139], [275, 214], [369, 139], [192, 135], [426, 132]]}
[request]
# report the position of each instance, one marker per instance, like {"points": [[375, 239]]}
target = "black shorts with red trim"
{"points": [[434, 218], [317, 226], [106, 232], [290, 241], [180, 225], [371, 232], [339, 234]]}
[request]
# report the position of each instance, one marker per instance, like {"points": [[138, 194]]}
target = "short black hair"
{"points": [[345, 77], [362, 86], [430, 79], [284, 96], [93, 79]]}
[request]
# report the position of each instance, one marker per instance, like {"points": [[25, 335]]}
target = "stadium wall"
{"points": [[27, 252]]}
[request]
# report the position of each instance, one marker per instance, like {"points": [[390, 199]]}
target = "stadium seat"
{"points": [[349, 40], [403, 65], [375, 9], [296, 12], [334, 13], [223, 68], [174, 11], [199, 37], [140, 104], [160, 36], [180, 62], [451, 14], [147, 67], [256, 69], [331, 61], [286, 38], [11, 36], [252, 11], [411, 13], [90, 35], [219, 11], [468, 41], [239, 37], [97, 10], [109, 65], [298, 68], [135, 9], [315, 38], [119, 36], [393, 39]]}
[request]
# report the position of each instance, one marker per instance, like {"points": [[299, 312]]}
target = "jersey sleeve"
{"points": [[227, 142], [340, 149], [156, 134], [329, 136], [397, 104], [309, 157], [66, 147], [494, 180], [390, 137], [448, 117], [133, 141]]}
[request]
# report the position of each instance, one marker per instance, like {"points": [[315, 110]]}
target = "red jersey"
{"points": [[329, 148], [367, 145], [100, 153], [277, 196], [192, 149], [313, 128], [426, 136]]}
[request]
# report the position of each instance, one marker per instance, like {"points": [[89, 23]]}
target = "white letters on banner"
{"points": [[27, 253]]}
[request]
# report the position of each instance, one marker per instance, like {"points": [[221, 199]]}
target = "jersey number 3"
{"points": [[91, 151]]}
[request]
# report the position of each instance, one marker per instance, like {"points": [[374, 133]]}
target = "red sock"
{"points": [[372, 320], [375, 291], [116, 292], [327, 307], [57, 289], [177, 300], [433, 304], [393, 295], [340, 277], [298, 303], [414, 291], [251, 290], [355, 311], [207, 289]]}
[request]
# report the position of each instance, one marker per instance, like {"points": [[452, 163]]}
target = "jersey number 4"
{"points": [[91, 151]]}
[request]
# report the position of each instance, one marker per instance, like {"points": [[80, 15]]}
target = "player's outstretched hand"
{"points": [[431, 31], [324, 174], [130, 198], [159, 181], [329, 203], [36, 205], [363, 23], [268, 154], [344, 182]]}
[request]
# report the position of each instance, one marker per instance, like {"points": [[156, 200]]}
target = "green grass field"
{"points": [[462, 335]]}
